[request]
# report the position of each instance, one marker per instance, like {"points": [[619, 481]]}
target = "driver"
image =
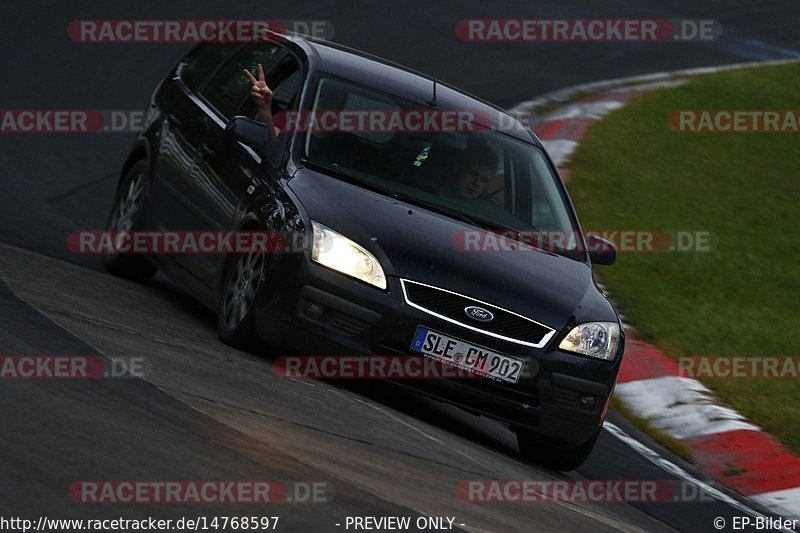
{"points": [[472, 173]]}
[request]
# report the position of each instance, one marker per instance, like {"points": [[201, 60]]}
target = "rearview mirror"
{"points": [[601, 251]]}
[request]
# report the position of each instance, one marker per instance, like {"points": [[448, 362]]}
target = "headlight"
{"points": [[595, 339], [343, 255]]}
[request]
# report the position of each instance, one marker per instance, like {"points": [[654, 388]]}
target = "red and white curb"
{"points": [[724, 444]]}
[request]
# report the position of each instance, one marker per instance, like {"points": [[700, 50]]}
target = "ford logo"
{"points": [[478, 313]]}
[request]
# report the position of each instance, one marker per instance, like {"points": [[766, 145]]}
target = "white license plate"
{"points": [[469, 357]]}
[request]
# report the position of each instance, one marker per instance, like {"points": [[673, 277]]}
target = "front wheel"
{"points": [[126, 217], [236, 322], [555, 454]]}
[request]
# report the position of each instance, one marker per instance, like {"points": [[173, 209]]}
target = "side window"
{"points": [[284, 93], [203, 60], [230, 86]]}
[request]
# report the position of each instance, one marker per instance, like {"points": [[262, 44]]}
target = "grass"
{"points": [[741, 298]]}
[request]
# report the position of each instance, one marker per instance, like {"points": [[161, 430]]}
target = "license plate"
{"points": [[470, 357]]}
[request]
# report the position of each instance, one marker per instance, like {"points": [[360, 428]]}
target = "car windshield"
{"points": [[472, 173]]}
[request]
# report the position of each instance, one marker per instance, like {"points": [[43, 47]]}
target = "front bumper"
{"points": [[310, 310]]}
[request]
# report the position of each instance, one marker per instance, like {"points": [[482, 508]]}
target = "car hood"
{"points": [[414, 243]]}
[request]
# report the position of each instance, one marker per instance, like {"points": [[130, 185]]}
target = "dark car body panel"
{"points": [[543, 286]]}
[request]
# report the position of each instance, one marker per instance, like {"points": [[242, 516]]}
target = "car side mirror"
{"points": [[257, 136], [601, 251], [248, 131]]}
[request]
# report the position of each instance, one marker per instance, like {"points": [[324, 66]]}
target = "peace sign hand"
{"points": [[260, 92]]}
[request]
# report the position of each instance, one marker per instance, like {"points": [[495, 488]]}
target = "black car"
{"points": [[380, 267]]}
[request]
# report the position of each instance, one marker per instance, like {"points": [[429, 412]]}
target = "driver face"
{"points": [[471, 182]]}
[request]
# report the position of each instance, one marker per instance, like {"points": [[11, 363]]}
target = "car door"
{"points": [[181, 134], [225, 171]]}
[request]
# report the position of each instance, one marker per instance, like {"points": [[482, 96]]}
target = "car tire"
{"points": [[126, 216], [236, 321], [552, 453]]}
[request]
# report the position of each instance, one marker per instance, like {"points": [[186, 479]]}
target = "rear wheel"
{"points": [[236, 323], [126, 217], [553, 453]]}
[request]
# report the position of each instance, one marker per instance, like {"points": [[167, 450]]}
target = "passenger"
{"points": [[262, 96]]}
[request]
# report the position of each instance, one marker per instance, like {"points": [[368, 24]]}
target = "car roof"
{"points": [[385, 76]]}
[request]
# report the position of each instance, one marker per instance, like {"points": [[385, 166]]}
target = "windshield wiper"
{"points": [[453, 212], [333, 170], [543, 244], [433, 206]]}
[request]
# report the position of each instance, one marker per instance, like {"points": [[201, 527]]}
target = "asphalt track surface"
{"points": [[206, 411]]}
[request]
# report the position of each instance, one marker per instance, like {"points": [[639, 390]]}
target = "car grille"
{"points": [[450, 306]]}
